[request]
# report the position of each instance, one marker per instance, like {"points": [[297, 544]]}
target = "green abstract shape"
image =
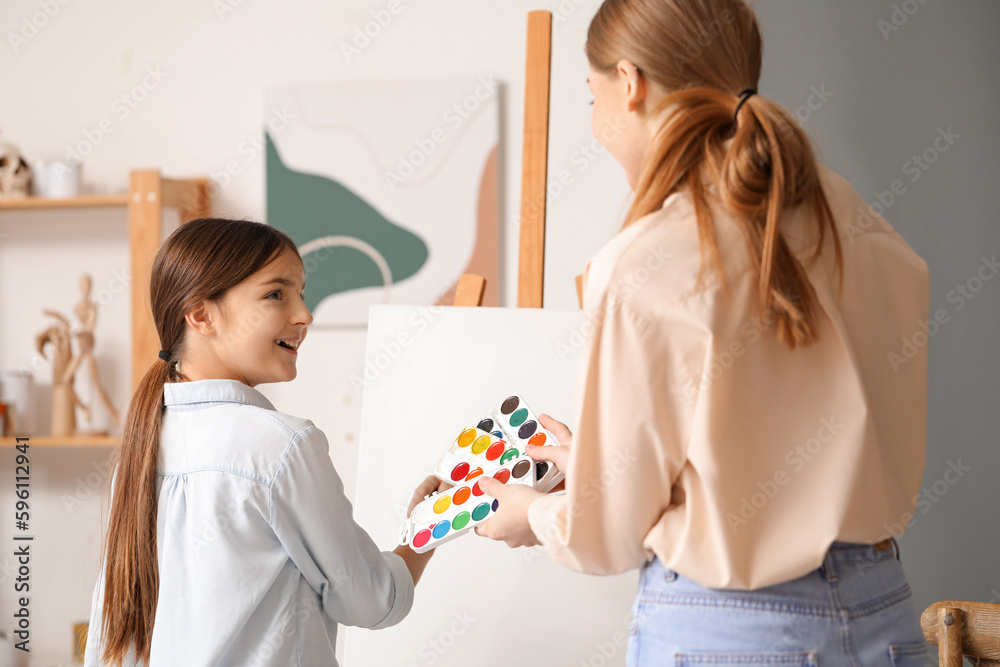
{"points": [[308, 207]]}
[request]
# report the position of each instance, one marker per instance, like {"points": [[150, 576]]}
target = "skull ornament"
{"points": [[15, 175]]}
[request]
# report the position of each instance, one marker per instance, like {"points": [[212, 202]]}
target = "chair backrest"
{"points": [[971, 629]]}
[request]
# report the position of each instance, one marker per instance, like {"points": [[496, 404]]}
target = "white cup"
{"points": [[55, 178], [15, 390]]}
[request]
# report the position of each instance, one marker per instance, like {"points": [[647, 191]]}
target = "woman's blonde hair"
{"points": [[703, 54]]}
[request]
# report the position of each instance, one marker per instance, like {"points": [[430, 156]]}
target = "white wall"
{"points": [[204, 110], [58, 83]]}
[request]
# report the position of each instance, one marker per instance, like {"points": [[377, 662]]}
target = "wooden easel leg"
{"points": [[470, 290], [534, 166]]}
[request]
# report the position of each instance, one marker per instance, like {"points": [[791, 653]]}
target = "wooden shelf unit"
{"points": [[83, 201], [148, 194], [77, 441]]}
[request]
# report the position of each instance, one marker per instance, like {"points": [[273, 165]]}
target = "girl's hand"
{"points": [[415, 562], [430, 485]]}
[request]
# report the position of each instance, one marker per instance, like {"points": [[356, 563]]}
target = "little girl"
{"points": [[230, 540]]}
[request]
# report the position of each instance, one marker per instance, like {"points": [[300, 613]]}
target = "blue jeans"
{"points": [[854, 611]]}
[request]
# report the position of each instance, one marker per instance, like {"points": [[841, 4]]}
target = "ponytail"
{"points": [[132, 582], [768, 167], [701, 52]]}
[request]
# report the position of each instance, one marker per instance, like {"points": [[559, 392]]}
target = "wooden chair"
{"points": [[971, 629]]}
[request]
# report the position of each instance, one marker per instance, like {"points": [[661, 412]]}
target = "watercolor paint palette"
{"points": [[496, 447], [474, 452], [444, 516], [521, 427]]}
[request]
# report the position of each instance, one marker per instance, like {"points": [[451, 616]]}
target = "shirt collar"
{"points": [[213, 390]]}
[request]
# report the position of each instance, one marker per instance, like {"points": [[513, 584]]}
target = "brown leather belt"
{"points": [[884, 545]]}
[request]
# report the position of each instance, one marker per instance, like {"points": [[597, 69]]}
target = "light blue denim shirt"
{"points": [[258, 552]]}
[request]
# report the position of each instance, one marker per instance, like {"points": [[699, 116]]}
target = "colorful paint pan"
{"points": [[521, 427], [445, 516], [474, 452], [490, 426], [519, 424]]}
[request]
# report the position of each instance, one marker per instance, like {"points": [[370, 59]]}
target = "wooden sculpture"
{"points": [[63, 394], [64, 366]]}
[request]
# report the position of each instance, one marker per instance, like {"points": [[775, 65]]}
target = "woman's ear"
{"points": [[635, 84]]}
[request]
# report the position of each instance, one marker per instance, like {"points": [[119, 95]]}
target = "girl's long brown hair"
{"points": [[200, 260], [702, 54]]}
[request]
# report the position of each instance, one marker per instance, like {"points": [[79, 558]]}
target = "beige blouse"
{"points": [[703, 440]]}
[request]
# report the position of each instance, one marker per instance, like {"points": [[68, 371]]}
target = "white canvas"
{"points": [[434, 371]]}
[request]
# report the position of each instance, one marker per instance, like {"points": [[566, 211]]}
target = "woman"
{"points": [[743, 436]]}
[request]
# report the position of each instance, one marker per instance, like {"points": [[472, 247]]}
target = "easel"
{"points": [[534, 171]]}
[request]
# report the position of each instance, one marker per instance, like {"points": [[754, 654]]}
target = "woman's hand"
{"points": [[510, 522], [430, 485], [555, 454]]}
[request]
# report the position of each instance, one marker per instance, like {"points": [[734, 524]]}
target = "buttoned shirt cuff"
{"points": [[402, 584]]}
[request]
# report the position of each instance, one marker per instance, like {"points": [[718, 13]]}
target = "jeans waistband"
{"points": [[841, 558], [849, 554]]}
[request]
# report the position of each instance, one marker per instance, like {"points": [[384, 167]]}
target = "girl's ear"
{"points": [[203, 317]]}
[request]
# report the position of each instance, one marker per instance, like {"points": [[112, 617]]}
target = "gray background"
{"points": [[891, 93]]}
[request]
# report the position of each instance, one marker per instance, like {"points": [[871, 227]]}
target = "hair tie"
{"points": [[744, 96], [164, 355]]}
